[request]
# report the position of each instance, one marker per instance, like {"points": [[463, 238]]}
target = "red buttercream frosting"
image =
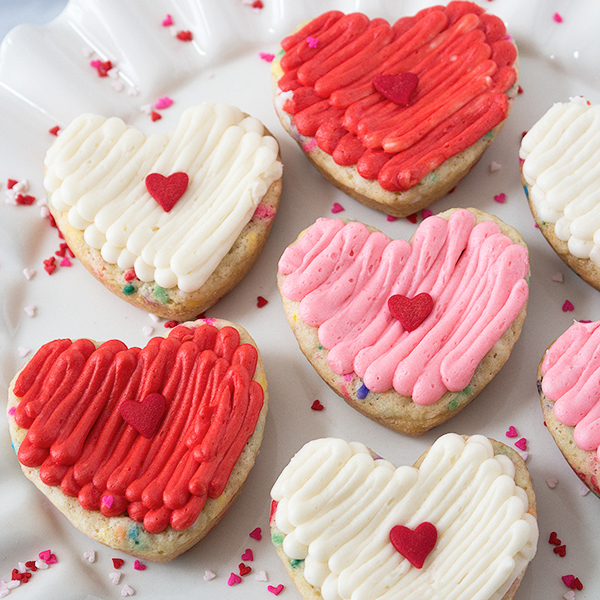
{"points": [[464, 64], [70, 398]]}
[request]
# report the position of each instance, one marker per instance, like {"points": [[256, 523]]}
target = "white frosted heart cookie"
{"points": [[460, 523], [568, 378], [169, 223], [407, 333], [142, 450], [560, 171], [396, 114]]}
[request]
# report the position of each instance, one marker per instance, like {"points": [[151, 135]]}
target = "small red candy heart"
{"points": [[561, 550], [244, 569], [118, 563], [144, 416], [411, 312], [397, 88], [167, 190], [415, 545], [554, 539], [316, 405], [577, 585]]}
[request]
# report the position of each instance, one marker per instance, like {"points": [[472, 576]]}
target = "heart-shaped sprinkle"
{"points": [[336, 208], [244, 569], [568, 580], [577, 585], [30, 564], [167, 190], [584, 490], [144, 416], [397, 88], [260, 301], [138, 566], [29, 273], [512, 432], [40, 564], [552, 482], [65, 262], [184, 36], [521, 444], [558, 277], [312, 42], [554, 539], [567, 306], [561, 550], [118, 563], [248, 555], [115, 578], [494, 166], [316, 405], [167, 21], [415, 545], [500, 197], [107, 501], [154, 116], [127, 590], [90, 555], [209, 575], [30, 310], [276, 590], [256, 534], [570, 595], [23, 351], [261, 576], [47, 557], [164, 102], [233, 579], [411, 312]]}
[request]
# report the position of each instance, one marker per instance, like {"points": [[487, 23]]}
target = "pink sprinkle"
{"points": [[521, 444], [337, 208], [390, 218], [163, 103], [310, 145], [167, 21], [256, 534], [512, 432], [557, 17], [568, 580], [138, 566], [12, 410], [312, 42], [65, 262], [567, 306], [248, 555], [266, 56], [425, 213], [47, 557], [107, 501], [275, 590], [95, 64], [500, 197], [233, 579]]}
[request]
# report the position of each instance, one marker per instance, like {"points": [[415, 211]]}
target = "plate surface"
{"points": [[46, 80]]}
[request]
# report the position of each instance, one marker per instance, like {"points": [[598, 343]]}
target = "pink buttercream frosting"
{"points": [[571, 370], [343, 276]]}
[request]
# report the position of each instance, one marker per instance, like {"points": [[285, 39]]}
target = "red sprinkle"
{"points": [[554, 539], [10, 184], [102, 67], [567, 306], [260, 301], [412, 218], [54, 130], [129, 275], [22, 577], [577, 585], [30, 564], [171, 324], [520, 90], [244, 569], [25, 200], [155, 116], [184, 36], [118, 563], [316, 405], [561, 550], [50, 265], [257, 4]]}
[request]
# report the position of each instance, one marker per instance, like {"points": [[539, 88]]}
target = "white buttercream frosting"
{"points": [[337, 505], [561, 154], [96, 171]]}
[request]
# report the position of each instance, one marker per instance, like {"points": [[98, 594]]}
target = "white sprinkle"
{"points": [[11, 197], [115, 577], [146, 108], [494, 166], [90, 556], [21, 187], [552, 482], [261, 576], [133, 91], [22, 351], [127, 590], [524, 455], [154, 317], [30, 310], [209, 575], [44, 212], [29, 273], [42, 201], [113, 73], [570, 595], [87, 52], [147, 330], [41, 564], [558, 277], [22, 567], [117, 86], [584, 490]]}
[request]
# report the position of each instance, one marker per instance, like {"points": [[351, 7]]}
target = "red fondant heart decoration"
{"points": [[397, 88], [167, 190], [411, 312], [415, 545], [554, 539], [144, 416]]}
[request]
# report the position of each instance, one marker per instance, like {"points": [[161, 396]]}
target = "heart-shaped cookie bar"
{"points": [[560, 170], [569, 392], [170, 223], [395, 115], [153, 481], [336, 282], [337, 511]]}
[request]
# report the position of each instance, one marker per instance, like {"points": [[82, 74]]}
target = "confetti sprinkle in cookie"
{"points": [[188, 211]]}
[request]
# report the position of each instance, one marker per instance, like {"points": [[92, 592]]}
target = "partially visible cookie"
{"points": [[568, 383], [395, 115], [142, 450], [407, 333], [170, 223], [460, 523], [560, 171]]}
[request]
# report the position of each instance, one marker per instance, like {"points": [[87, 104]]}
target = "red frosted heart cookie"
{"points": [[142, 449], [396, 114]]}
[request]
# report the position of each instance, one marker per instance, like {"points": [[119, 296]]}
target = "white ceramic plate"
{"points": [[45, 80]]}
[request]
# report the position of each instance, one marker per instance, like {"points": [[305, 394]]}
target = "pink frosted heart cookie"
{"points": [[460, 523], [142, 449], [568, 378], [396, 114], [408, 333], [168, 222]]}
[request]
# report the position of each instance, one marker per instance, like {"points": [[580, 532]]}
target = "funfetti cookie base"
{"points": [[144, 481], [461, 522], [173, 251], [336, 81], [338, 284]]}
